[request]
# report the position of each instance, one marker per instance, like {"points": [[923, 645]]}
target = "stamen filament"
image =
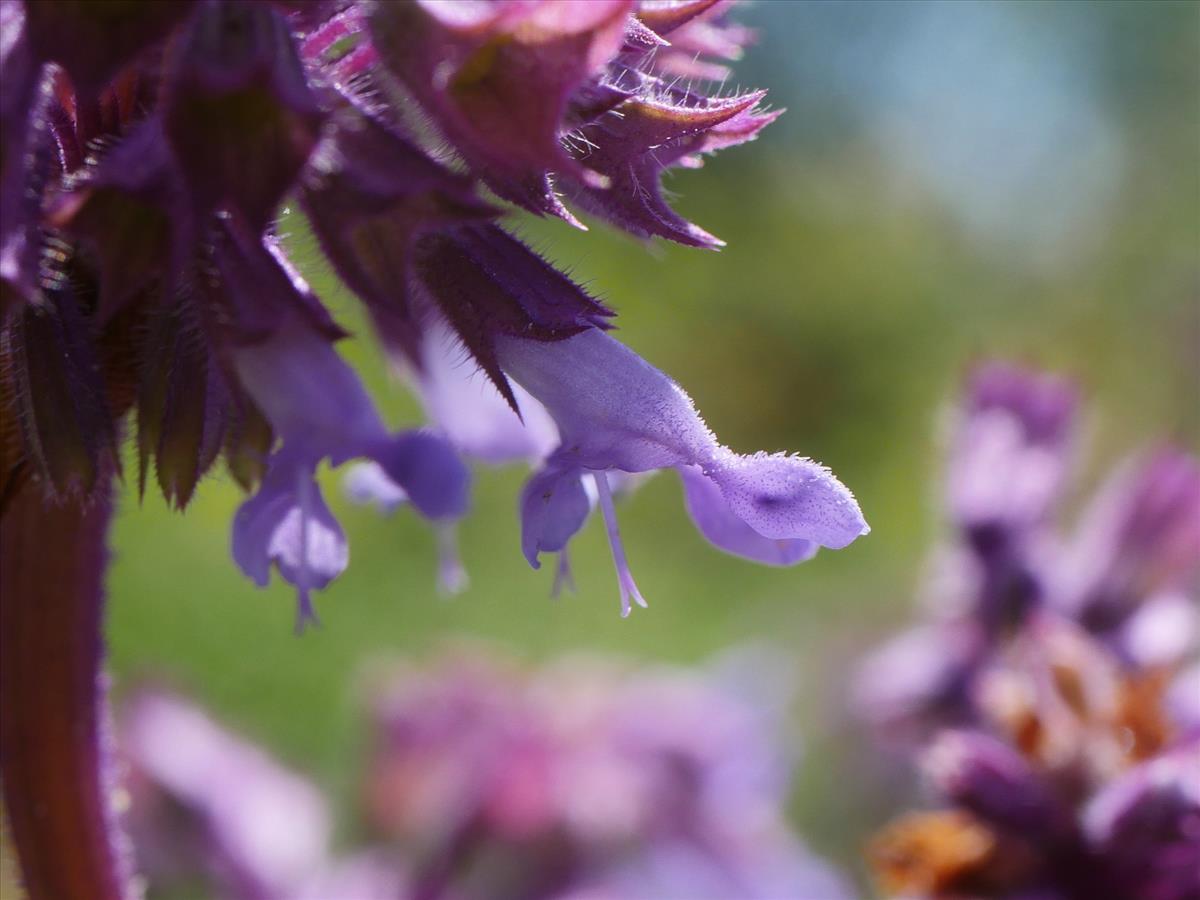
{"points": [[624, 576]]}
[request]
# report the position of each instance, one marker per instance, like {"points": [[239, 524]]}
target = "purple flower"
{"points": [[588, 779], [1140, 537], [465, 407], [1146, 827], [993, 781], [206, 801], [316, 404], [918, 680], [1011, 448], [169, 150], [615, 411]]}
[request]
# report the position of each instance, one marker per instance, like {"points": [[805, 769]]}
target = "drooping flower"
{"points": [[615, 411], [168, 152], [319, 409]]}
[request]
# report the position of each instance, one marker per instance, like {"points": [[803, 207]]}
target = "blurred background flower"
{"points": [[483, 779], [951, 182], [1049, 695]]}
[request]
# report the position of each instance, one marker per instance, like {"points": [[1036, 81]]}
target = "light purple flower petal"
{"points": [[467, 407], [306, 389], [1161, 632], [1011, 447], [614, 410], [716, 521], [288, 524], [313, 398], [366, 483], [786, 497], [554, 505], [316, 403], [426, 467], [1139, 536]]}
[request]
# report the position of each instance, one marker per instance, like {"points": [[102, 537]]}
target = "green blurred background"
{"points": [[952, 181]]}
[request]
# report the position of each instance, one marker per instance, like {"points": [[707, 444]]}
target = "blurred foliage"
{"points": [[837, 323]]}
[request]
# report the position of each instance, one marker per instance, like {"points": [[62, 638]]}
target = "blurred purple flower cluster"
{"points": [[148, 150], [583, 780], [1053, 692]]}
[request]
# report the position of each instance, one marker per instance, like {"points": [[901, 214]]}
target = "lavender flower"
{"points": [[615, 411], [1061, 663], [204, 800], [590, 780], [583, 779]]}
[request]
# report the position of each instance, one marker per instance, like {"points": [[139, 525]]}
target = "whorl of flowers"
{"points": [[148, 149], [582, 780], [1054, 692]]}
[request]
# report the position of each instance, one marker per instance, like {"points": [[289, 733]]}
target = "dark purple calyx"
{"points": [[635, 143], [181, 404], [488, 284], [238, 113], [94, 39], [131, 213], [368, 195], [64, 415], [497, 79], [253, 291]]}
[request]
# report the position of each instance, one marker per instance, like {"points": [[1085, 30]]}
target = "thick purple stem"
{"points": [[52, 762]]}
